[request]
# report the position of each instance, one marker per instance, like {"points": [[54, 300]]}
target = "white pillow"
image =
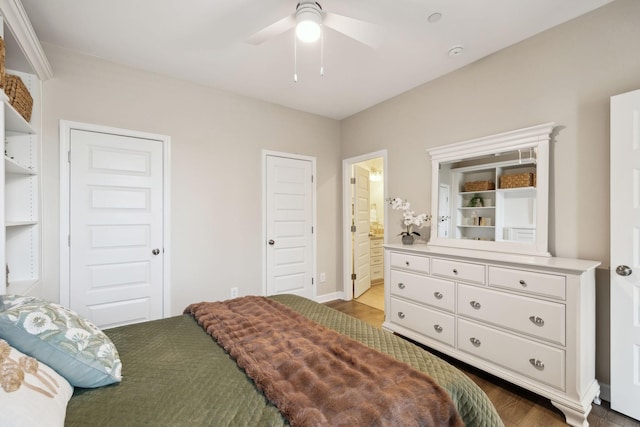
{"points": [[31, 393]]}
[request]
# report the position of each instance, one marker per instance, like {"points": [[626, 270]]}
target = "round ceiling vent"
{"points": [[434, 17], [456, 50]]}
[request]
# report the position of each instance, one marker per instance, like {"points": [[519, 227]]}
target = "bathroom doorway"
{"points": [[364, 217]]}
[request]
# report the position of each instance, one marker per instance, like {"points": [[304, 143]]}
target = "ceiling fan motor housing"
{"points": [[308, 3]]}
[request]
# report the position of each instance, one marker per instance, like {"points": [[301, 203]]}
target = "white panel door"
{"points": [[289, 213], [361, 238], [116, 228], [625, 254]]}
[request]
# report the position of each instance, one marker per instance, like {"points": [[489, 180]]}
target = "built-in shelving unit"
{"points": [[21, 196], [21, 182]]}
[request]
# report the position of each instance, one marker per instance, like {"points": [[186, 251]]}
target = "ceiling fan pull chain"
{"points": [[322, 54], [295, 58]]}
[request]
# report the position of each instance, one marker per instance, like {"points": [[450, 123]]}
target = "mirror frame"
{"points": [[537, 137]]}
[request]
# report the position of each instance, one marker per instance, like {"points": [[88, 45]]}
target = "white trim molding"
{"points": [[16, 19]]}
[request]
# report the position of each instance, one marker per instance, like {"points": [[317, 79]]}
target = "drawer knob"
{"points": [[438, 295], [475, 341], [407, 263], [401, 285], [438, 328], [538, 321], [455, 271], [523, 283], [475, 304], [537, 364], [401, 315]]}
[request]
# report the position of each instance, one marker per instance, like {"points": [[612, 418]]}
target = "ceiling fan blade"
{"points": [[364, 32], [272, 30]]}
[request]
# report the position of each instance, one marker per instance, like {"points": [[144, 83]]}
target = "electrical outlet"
{"points": [[234, 292], [323, 277]]}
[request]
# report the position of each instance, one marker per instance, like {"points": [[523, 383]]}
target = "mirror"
{"points": [[491, 193]]}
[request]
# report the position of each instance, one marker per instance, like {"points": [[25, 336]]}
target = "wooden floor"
{"points": [[516, 406]]}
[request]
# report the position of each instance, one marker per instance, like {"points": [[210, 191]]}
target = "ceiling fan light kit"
{"points": [[308, 21]]}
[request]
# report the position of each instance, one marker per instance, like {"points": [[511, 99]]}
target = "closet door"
{"points": [[289, 216], [116, 227], [625, 253]]}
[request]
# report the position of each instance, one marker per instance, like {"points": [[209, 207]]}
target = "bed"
{"points": [[250, 361], [175, 374]]}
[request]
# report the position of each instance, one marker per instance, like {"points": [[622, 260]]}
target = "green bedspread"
{"points": [[174, 374]]}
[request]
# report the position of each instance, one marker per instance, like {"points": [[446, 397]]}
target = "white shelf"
{"points": [[13, 121], [21, 287], [470, 208], [11, 166], [525, 190], [469, 193], [20, 223]]}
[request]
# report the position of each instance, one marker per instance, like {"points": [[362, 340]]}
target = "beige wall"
{"points": [[217, 140], [565, 75]]}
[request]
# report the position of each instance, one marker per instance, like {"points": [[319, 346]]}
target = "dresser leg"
{"points": [[573, 417]]}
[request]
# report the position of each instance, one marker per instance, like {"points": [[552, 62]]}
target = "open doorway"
{"points": [[364, 217]]}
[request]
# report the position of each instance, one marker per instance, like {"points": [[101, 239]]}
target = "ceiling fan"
{"points": [[308, 19]]}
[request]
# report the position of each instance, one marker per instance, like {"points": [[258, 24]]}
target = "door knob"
{"points": [[623, 270], [156, 251], [272, 242]]}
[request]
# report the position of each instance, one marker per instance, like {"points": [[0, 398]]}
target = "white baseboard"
{"points": [[605, 392], [329, 297]]}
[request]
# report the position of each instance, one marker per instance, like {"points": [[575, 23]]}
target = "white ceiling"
{"points": [[203, 41]]}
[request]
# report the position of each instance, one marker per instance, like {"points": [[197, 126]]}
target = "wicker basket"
{"points": [[518, 180], [479, 186], [19, 96]]}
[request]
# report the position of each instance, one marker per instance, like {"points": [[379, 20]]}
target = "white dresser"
{"points": [[376, 260], [529, 320]]}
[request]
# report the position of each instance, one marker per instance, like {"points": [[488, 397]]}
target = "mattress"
{"points": [[174, 374]]}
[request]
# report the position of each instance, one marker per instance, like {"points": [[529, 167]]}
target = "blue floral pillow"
{"points": [[60, 338]]}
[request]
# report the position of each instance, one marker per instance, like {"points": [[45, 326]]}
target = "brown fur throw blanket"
{"points": [[317, 377]]}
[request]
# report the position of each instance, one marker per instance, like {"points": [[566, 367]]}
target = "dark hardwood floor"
{"points": [[516, 406]]}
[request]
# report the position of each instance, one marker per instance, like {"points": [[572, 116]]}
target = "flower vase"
{"points": [[407, 239]]}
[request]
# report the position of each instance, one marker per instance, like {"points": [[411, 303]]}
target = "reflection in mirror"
{"points": [[492, 193], [494, 197]]}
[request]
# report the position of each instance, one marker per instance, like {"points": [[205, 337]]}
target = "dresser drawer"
{"points": [[376, 272], [538, 361], [411, 262], [430, 323], [376, 260], [458, 270], [543, 319], [551, 285], [376, 243], [379, 251], [425, 290]]}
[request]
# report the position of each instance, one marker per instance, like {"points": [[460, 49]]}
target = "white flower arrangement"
{"points": [[409, 217]]}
